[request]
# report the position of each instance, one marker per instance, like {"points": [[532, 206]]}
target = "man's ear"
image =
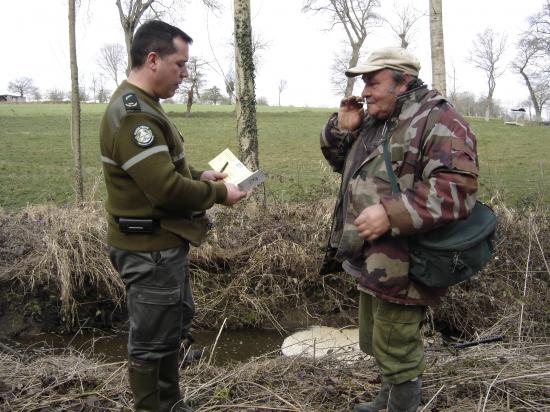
{"points": [[152, 60], [403, 85]]}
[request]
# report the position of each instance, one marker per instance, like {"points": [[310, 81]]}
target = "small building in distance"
{"points": [[11, 98], [515, 117]]}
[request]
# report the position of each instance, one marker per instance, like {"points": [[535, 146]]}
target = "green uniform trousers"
{"points": [[391, 333], [159, 300]]}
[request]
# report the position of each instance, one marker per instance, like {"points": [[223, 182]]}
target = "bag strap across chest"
{"points": [[416, 142]]}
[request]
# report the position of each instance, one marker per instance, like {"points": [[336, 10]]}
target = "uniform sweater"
{"points": [[147, 174]]}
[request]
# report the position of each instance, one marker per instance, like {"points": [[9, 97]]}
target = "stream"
{"points": [[232, 345]]}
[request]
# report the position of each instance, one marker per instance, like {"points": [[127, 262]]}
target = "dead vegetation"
{"points": [[259, 269], [496, 377], [59, 253], [511, 297]]}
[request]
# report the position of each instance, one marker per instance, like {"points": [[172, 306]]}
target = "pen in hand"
{"points": [[224, 166]]}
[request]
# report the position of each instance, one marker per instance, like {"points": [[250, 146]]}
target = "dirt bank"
{"points": [[258, 269]]}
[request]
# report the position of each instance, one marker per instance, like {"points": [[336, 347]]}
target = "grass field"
{"points": [[36, 162]]}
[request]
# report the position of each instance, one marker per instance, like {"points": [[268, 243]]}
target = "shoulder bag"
{"points": [[452, 253]]}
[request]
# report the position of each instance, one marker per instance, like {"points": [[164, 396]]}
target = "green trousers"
{"points": [[159, 300], [391, 333]]}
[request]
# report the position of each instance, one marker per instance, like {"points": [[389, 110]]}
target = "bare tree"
{"points": [[465, 103], [453, 92], [75, 106], [212, 95], [22, 86], [245, 105], [437, 47], [132, 12], [55, 95], [193, 84], [258, 46], [356, 16], [487, 53], [112, 60], [230, 85], [529, 104], [103, 94], [95, 84], [402, 22], [540, 25], [130, 15], [35, 93], [282, 87], [340, 63], [533, 64]]}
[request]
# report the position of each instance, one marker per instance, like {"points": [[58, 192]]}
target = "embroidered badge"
{"points": [[143, 136], [131, 103]]}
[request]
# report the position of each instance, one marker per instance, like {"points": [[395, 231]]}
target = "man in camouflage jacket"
{"points": [[433, 156]]}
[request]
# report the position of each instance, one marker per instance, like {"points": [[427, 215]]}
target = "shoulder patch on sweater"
{"points": [[143, 136], [131, 103]]}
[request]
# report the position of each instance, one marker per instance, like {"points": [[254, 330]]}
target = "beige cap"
{"points": [[395, 58]]}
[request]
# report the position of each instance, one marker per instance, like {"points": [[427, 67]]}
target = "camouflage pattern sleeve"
{"points": [[446, 189], [335, 143]]}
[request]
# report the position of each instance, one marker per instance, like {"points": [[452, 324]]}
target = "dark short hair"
{"points": [[155, 36]]}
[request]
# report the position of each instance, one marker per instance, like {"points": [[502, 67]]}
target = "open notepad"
{"points": [[237, 172]]}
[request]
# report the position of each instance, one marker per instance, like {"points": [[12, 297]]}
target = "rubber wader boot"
{"points": [[405, 397], [144, 376], [188, 354], [169, 386], [378, 403]]}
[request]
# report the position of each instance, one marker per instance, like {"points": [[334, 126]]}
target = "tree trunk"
{"points": [[128, 37], [352, 63], [75, 105], [489, 102], [129, 23], [536, 105], [189, 102], [245, 105], [437, 47]]}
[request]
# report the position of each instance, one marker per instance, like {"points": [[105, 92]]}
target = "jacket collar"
{"points": [[407, 98]]}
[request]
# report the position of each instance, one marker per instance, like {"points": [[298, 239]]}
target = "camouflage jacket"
{"points": [[437, 185]]}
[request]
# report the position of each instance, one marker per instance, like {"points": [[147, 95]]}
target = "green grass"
{"points": [[36, 163]]}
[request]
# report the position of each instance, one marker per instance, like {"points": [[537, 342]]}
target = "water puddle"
{"points": [[232, 345]]}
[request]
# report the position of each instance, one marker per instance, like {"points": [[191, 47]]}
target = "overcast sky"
{"points": [[300, 50]]}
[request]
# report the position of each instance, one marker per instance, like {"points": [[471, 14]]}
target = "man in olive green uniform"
{"points": [[155, 204], [432, 152]]}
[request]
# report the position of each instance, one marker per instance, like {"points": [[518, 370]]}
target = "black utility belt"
{"points": [[136, 225]]}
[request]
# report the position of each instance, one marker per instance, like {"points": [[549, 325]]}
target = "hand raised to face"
{"points": [[351, 113]]}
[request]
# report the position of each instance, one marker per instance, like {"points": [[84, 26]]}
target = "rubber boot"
{"points": [[378, 403], [188, 354], [405, 397], [144, 376], [170, 397]]}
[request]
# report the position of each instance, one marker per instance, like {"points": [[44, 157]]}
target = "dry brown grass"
{"points": [[261, 265], [62, 250], [484, 378], [512, 295], [259, 268]]}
